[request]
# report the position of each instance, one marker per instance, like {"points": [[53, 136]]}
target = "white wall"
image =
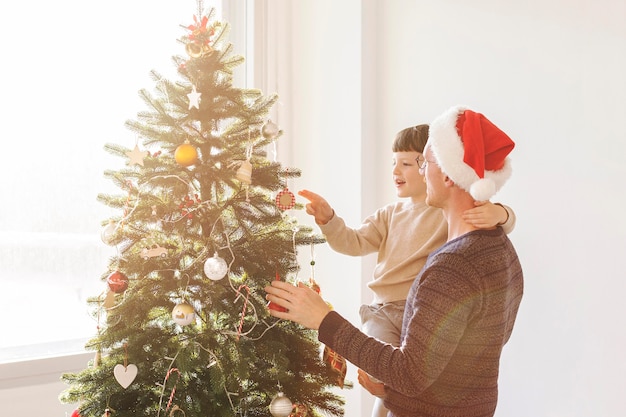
{"points": [[551, 73]]}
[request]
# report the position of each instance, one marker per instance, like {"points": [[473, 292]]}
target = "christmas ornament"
{"points": [[109, 300], [337, 363], [108, 232], [215, 268], [153, 251], [299, 410], [270, 130], [245, 306], [285, 199], [107, 413], [136, 156], [194, 98], [75, 413], [125, 375], [183, 314], [117, 282], [194, 49], [186, 154], [272, 305], [186, 206], [199, 38], [171, 399], [244, 173], [281, 406], [97, 358], [333, 359], [176, 408]]}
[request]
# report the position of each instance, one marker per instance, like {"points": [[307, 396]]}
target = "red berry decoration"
{"points": [[75, 413], [118, 282]]}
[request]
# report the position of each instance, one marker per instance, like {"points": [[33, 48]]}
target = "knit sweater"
{"points": [[403, 234], [459, 314]]}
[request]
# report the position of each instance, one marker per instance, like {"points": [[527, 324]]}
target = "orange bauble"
{"points": [[186, 154]]}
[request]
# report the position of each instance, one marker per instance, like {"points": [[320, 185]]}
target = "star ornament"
{"points": [[194, 98], [136, 156]]}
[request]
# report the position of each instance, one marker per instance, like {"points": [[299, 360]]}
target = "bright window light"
{"points": [[70, 79]]}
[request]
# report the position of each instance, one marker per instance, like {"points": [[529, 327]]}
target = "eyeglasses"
{"points": [[423, 162]]}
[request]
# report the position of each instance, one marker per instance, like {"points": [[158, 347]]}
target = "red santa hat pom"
{"points": [[471, 150]]}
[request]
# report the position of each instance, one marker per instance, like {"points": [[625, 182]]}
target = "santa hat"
{"points": [[471, 150]]}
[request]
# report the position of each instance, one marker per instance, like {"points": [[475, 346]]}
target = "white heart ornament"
{"points": [[125, 375]]}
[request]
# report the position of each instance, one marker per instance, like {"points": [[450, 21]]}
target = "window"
{"points": [[69, 83]]}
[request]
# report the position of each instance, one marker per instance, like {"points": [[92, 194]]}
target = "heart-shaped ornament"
{"points": [[125, 375]]}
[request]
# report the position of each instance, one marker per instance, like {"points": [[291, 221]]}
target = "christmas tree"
{"points": [[201, 225]]}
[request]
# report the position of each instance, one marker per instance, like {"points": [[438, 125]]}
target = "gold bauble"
{"points": [[186, 154]]}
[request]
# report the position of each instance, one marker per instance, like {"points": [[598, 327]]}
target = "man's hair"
{"points": [[411, 139]]}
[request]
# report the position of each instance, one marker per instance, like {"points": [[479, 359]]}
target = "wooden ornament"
{"points": [[244, 173], [125, 375]]}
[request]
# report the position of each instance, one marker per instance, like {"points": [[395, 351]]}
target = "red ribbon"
{"points": [[200, 29]]}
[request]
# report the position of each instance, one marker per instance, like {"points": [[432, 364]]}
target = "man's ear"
{"points": [[448, 182]]}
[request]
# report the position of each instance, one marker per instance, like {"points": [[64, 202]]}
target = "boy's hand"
{"points": [[317, 207], [374, 388], [486, 215]]}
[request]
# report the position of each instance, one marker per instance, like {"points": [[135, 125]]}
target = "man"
{"points": [[462, 306]]}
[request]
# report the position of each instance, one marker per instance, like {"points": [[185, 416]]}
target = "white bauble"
{"points": [[281, 406], [215, 268], [270, 130], [108, 232]]}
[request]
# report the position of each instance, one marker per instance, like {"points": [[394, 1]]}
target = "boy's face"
{"points": [[406, 175]]}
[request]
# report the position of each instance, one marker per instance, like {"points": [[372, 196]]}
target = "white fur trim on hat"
{"points": [[447, 147]]}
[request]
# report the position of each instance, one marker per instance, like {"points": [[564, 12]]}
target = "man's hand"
{"points": [[374, 388], [304, 305]]}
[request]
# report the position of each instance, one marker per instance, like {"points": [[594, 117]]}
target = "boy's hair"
{"points": [[411, 139]]}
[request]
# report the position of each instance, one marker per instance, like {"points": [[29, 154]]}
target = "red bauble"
{"points": [[272, 305], [118, 282], [75, 413]]}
